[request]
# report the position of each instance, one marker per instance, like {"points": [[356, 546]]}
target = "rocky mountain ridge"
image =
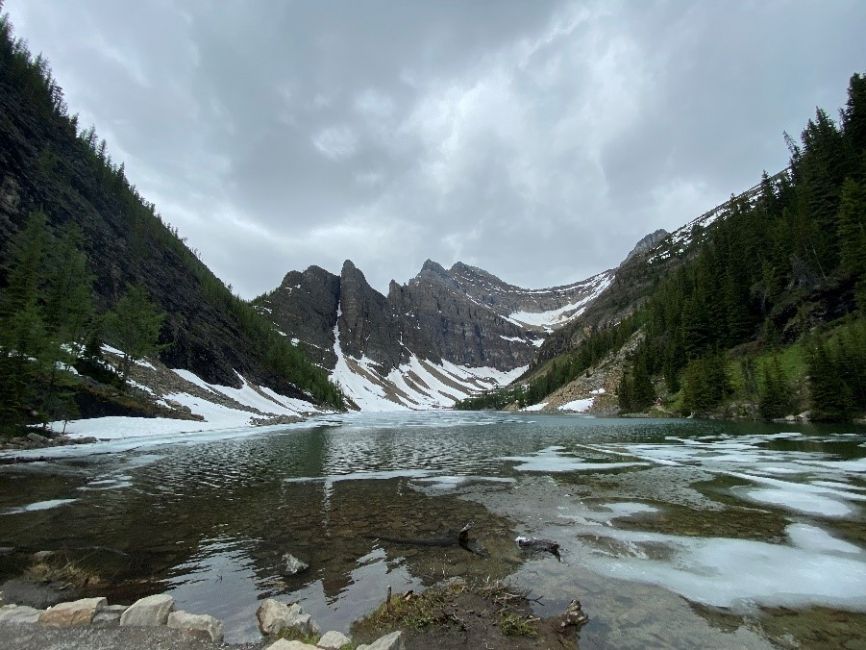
{"points": [[443, 335]]}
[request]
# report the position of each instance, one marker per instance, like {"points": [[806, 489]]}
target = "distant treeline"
{"points": [[771, 271]]}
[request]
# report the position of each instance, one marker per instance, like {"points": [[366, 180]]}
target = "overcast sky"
{"points": [[538, 140]]}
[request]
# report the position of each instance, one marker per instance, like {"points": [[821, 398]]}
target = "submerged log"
{"points": [[448, 538], [535, 544]]}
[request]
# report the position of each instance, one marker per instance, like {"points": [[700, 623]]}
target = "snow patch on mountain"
{"points": [[554, 318]]}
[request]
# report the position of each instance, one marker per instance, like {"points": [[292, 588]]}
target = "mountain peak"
{"points": [[350, 269], [648, 242], [434, 267]]}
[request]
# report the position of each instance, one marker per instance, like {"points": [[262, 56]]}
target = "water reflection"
{"points": [[662, 508]]}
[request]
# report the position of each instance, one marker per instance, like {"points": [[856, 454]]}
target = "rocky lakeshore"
{"points": [[454, 614], [153, 622]]}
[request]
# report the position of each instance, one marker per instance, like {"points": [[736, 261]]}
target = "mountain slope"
{"points": [[47, 163], [780, 267]]}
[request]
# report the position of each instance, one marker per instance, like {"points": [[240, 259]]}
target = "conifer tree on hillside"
{"points": [[775, 395], [134, 325], [23, 338]]}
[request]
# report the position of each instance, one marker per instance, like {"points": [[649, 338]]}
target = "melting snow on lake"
{"points": [[812, 488]]}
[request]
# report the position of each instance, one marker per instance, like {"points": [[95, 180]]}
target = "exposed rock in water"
{"points": [[274, 616], [293, 565], [574, 615]]}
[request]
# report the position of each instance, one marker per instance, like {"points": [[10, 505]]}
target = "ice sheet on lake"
{"points": [[812, 538], [551, 460], [807, 482], [39, 505], [452, 482], [737, 573]]}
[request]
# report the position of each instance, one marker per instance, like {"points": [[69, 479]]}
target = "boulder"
{"points": [[19, 614], [393, 641], [109, 615], [152, 610], [293, 565], [37, 439], [282, 644], [274, 616], [333, 640], [203, 623], [76, 612]]}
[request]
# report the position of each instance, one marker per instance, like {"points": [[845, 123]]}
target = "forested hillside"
{"points": [[86, 220], [786, 268]]}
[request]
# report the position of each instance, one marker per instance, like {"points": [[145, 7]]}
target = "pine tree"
{"points": [[705, 383], [852, 235], [68, 314], [775, 394], [831, 397], [23, 339], [134, 326], [643, 392]]}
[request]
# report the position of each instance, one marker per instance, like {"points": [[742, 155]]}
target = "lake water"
{"points": [[675, 533]]}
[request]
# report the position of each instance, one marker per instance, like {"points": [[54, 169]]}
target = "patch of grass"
{"points": [[512, 624], [292, 634], [407, 611]]}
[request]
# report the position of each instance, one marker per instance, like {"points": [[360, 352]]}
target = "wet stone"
{"points": [[152, 610], [19, 614], [283, 644], [393, 641], [109, 615], [274, 616], [333, 640], [77, 612], [293, 565], [202, 623]]}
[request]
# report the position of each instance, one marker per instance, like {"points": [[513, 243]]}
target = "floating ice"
{"points": [[812, 538], [737, 573], [800, 497], [39, 505], [550, 460], [607, 512], [452, 482], [799, 501]]}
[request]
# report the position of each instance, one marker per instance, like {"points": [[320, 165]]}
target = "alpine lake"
{"points": [[673, 533]]}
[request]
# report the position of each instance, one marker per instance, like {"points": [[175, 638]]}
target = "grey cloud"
{"points": [[538, 140]]}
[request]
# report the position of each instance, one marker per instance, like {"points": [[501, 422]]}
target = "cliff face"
{"points": [[464, 315], [441, 319], [441, 336]]}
